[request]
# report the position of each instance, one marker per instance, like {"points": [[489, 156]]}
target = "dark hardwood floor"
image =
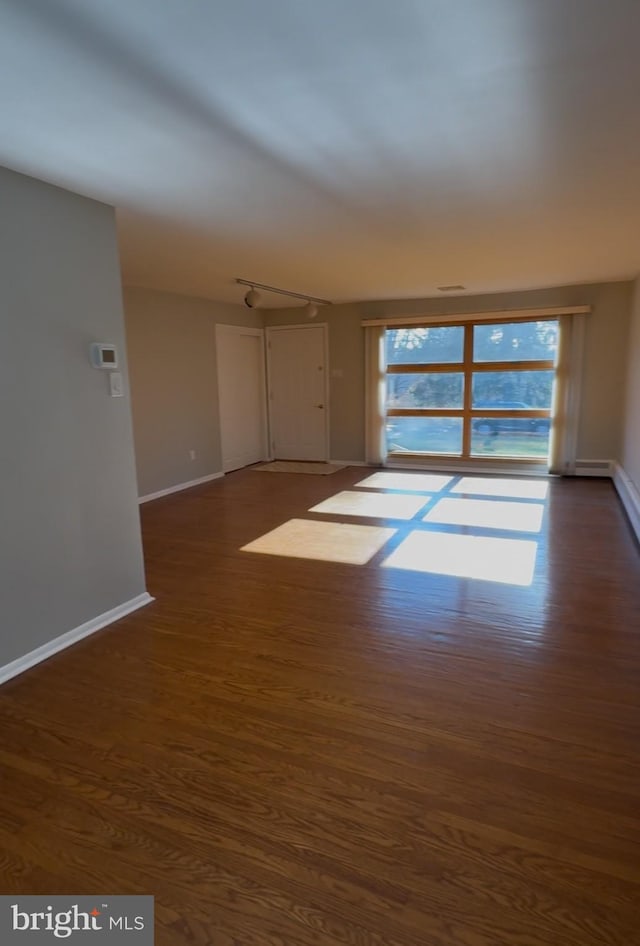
{"points": [[289, 752]]}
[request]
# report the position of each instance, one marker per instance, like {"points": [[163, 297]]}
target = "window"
{"points": [[471, 390]]}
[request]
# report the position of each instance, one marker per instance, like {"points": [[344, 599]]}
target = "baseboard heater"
{"points": [[593, 467]]}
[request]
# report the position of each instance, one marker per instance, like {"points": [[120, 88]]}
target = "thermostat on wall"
{"points": [[104, 356]]}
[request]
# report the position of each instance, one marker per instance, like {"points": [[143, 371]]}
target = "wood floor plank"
{"points": [[296, 753]]}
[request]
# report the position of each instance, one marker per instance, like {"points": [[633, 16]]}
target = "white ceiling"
{"points": [[349, 149]]}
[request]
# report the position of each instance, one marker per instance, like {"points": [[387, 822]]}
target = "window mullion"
{"points": [[440, 367], [468, 368], [490, 366]]}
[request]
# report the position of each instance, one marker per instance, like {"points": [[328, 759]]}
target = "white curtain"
{"points": [[375, 395], [566, 397]]}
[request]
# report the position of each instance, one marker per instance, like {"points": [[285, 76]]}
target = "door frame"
{"points": [[223, 328], [325, 344]]}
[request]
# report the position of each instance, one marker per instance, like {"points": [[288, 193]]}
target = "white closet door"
{"points": [[242, 395]]}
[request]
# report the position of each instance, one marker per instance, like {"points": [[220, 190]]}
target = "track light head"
{"points": [[252, 299]]}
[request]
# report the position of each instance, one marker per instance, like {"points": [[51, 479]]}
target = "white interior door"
{"points": [[242, 396], [298, 408]]}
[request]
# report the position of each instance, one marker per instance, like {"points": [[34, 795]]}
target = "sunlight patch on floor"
{"points": [[324, 541], [414, 482], [488, 514], [375, 505], [509, 561], [498, 486]]}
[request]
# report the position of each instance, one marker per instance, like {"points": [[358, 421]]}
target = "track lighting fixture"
{"points": [[253, 299]]}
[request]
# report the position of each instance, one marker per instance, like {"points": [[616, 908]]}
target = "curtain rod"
{"points": [[502, 314]]}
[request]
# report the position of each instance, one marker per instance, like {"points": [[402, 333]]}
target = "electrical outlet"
{"points": [[192, 454]]}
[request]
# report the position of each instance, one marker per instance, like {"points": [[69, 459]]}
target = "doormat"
{"points": [[293, 466]]}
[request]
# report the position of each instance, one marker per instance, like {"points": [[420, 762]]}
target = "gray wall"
{"points": [[631, 441], [174, 385], [603, 391], [70, 544]]}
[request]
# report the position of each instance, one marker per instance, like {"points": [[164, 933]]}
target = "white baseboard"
{"points": [[179, 487], [629, 497], [348, 462], [594, 467], [71, 637]]}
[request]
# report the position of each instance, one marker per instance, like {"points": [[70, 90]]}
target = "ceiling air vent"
{"points": [[450, 288]]}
